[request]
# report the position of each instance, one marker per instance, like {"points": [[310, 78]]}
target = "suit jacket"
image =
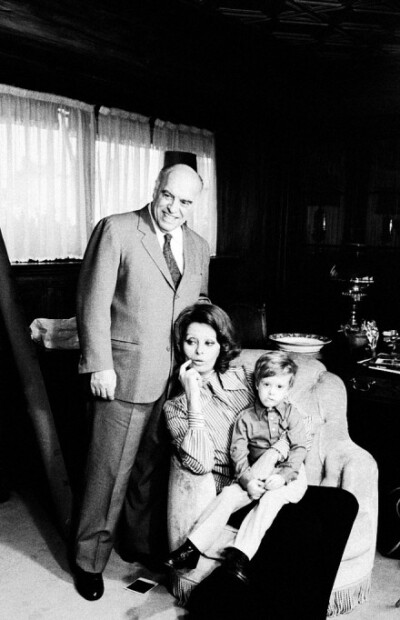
{"points": [[127, 303]]}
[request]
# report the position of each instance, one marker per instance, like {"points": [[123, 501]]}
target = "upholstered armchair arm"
{"points": [[360, 476], [353, 469], [350, 467], [345, 464], [188, 495], [332, 398]]}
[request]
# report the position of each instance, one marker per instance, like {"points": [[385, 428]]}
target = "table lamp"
{"points": [[354, 273]]}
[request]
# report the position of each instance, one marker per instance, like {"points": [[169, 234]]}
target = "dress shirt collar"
{"points": [[230, 380], [261, 410], [176, 241], [219, 384]]}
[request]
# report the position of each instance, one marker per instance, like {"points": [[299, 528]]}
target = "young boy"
{"points": [[257, 429]]}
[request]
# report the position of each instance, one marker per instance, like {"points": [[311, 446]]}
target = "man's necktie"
{"points": [[170, 260]]}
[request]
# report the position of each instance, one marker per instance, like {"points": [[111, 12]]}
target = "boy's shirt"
{"points": [[257, 429]]}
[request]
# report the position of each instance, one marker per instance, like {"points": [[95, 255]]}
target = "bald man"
{"points": [[139, 271]]}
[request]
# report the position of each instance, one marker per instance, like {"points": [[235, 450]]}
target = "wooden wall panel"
{"points": [[47, 290]]}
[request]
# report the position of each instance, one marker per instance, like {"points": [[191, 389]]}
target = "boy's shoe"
{"points": [[236, 563], [186, 556]]}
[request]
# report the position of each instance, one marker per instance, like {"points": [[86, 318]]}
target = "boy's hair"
{"points": [[274, 363]]}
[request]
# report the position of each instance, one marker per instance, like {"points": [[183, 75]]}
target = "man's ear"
{"points": [[156, 188]]}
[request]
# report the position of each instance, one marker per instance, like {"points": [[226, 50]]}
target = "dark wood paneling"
{"points": [[43, 290], [47, 290]]}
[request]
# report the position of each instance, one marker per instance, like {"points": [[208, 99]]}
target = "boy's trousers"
{"points": [[257, 522]]}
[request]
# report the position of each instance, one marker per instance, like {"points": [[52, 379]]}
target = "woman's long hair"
{"points": [[215, 317]]}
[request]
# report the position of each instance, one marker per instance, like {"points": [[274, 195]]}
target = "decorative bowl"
{"points": [[299, 343]]}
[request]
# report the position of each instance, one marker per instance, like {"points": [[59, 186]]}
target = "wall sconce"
{"points": [[390, 228], [386, 217], [325, 219], [320, 226]]}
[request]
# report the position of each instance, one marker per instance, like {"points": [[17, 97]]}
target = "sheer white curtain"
{"points": [[126, 165], [46, 174], [58, 177], [170, 137]]}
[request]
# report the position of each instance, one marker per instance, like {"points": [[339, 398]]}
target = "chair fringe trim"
{"points": [[344, 601], [181, 589], [341, 601]]}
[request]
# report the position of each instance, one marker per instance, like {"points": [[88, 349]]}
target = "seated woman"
{"points": [[258, 428], [305, 543]]}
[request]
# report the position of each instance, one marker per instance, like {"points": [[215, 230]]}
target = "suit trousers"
{"points": [[143, 532], [117, 432], [294, 569], [257, 521]]}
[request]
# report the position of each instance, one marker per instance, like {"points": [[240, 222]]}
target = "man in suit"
{"points": [[139, 271]]}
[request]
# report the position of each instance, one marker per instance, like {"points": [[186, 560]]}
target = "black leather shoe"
{"points": [[186, 556], [236, 563], [89, 585]]}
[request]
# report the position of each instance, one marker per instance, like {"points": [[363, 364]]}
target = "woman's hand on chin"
{"points": [[191, 381]]}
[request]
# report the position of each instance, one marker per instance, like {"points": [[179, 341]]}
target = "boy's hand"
{"points": [[255, 488], [274, 482]]}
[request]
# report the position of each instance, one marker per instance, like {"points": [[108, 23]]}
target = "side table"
{"points": [[374, 418], [373, 406], [374, 424]]}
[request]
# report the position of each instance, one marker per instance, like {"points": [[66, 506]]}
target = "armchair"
{"points": [[333, 460]]}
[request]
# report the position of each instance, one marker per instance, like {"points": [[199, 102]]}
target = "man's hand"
{"points": [[276, 481], [102, 384], [255, 488]]}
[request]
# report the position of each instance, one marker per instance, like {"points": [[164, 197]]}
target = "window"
{"points": [[59, 175]]}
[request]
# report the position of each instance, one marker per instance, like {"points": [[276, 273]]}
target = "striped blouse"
{"points": [[203, 441]]}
